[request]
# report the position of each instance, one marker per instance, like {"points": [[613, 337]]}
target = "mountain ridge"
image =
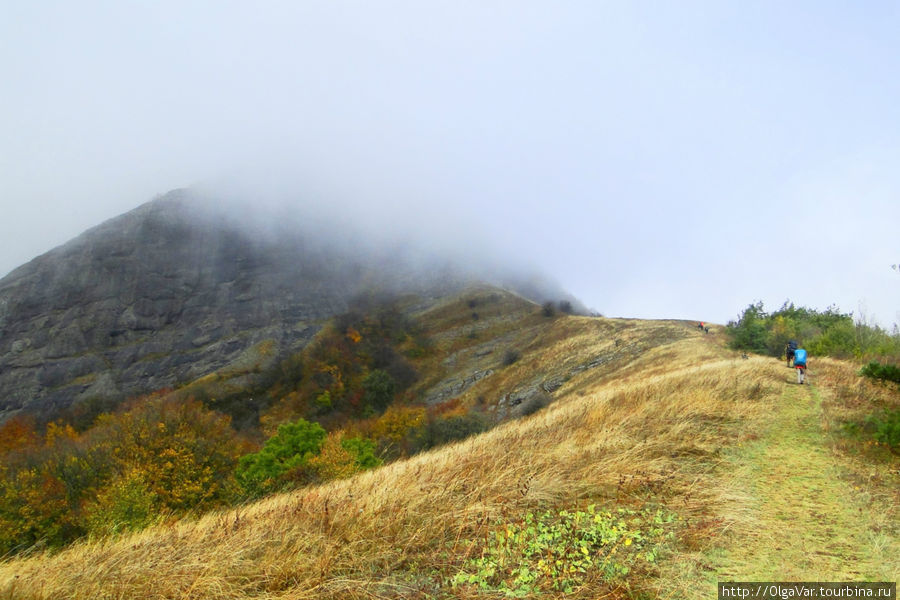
{"points": [[646, 476]]}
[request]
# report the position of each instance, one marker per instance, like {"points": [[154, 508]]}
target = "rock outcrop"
{"points": [[169, 292]]}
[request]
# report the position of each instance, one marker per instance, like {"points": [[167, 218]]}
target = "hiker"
{"points": [[700, 325], [800, 365], [789, 351]]}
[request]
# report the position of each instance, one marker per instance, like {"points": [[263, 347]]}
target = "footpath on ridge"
{"points": [[790, 511], [799, 519]]}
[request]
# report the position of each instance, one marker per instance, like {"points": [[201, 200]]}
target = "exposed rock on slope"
{"points": [[169, 292]]}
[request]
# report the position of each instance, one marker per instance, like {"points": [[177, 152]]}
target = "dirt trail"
{"points": [[795, 517]]}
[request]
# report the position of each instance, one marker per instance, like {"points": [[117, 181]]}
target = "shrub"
{"points": [[34, 508], [887, 428], [18, 433], [881, 372], [534, 403], [378, 389], [401, 430], [363, 452], [127, 504], [186, 453], [749, 331], [457, 427], [548, 309], [839, 340], [323, 401], [294, 444], [341, 457], [510, 357]]}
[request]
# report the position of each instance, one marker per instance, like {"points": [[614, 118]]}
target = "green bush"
{"points": [[294, 444], [127, 504], [749, 331], [887, 428], [838, 340], [363, 451], [881, 372], [323, 401], [378, 390]]}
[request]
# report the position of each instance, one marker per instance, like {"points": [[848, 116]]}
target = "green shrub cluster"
{"points": [[288, 450], [297, 454], [887, 428], [881, 372], [561, 551], [822, 333]]}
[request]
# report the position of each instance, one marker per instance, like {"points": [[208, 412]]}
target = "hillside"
{"points": [[663, 464], [187, 285]]}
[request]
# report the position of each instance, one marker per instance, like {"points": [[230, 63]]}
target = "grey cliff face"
{"points": [[164, 294]]}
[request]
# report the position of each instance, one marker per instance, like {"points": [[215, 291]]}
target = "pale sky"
{"points": [[659, 159]]}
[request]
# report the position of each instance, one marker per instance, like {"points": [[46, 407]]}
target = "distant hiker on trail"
{"points": [[800, 364], [700, 325], [789, 351]]}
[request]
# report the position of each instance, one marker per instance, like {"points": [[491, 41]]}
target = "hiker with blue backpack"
{"points": [[800, 364]]}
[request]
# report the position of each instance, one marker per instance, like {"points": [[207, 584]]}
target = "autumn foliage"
{"points": [[158, 456], [354, 369], [163, 455]]}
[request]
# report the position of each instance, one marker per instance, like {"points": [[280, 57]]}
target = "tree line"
{"points": [[823, 333]]}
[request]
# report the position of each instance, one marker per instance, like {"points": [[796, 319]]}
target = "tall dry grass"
{"points": [[401, 530]]}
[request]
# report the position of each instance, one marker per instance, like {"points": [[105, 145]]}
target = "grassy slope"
{"points": [[803, 509], [744, 458], [799, 501]]}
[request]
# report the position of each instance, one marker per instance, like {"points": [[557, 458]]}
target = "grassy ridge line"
{"points": [[801, 502], [400, 530]]}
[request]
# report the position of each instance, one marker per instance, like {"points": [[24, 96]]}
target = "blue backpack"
{"points": [[800, 357]]}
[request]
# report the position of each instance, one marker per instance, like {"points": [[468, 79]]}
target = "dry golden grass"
{"points": [[401, 530], [661, 422], [799, 500]]}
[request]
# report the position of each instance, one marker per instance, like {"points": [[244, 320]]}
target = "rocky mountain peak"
{"points": [[176, 289]]}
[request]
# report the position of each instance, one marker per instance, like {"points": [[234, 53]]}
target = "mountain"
{"points": [[181, 287]]}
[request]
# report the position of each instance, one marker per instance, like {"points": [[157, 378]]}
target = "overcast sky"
{"points": [[659, 159]]}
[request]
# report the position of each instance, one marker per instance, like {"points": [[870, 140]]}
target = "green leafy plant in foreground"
{"points": [[561, 551]]}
